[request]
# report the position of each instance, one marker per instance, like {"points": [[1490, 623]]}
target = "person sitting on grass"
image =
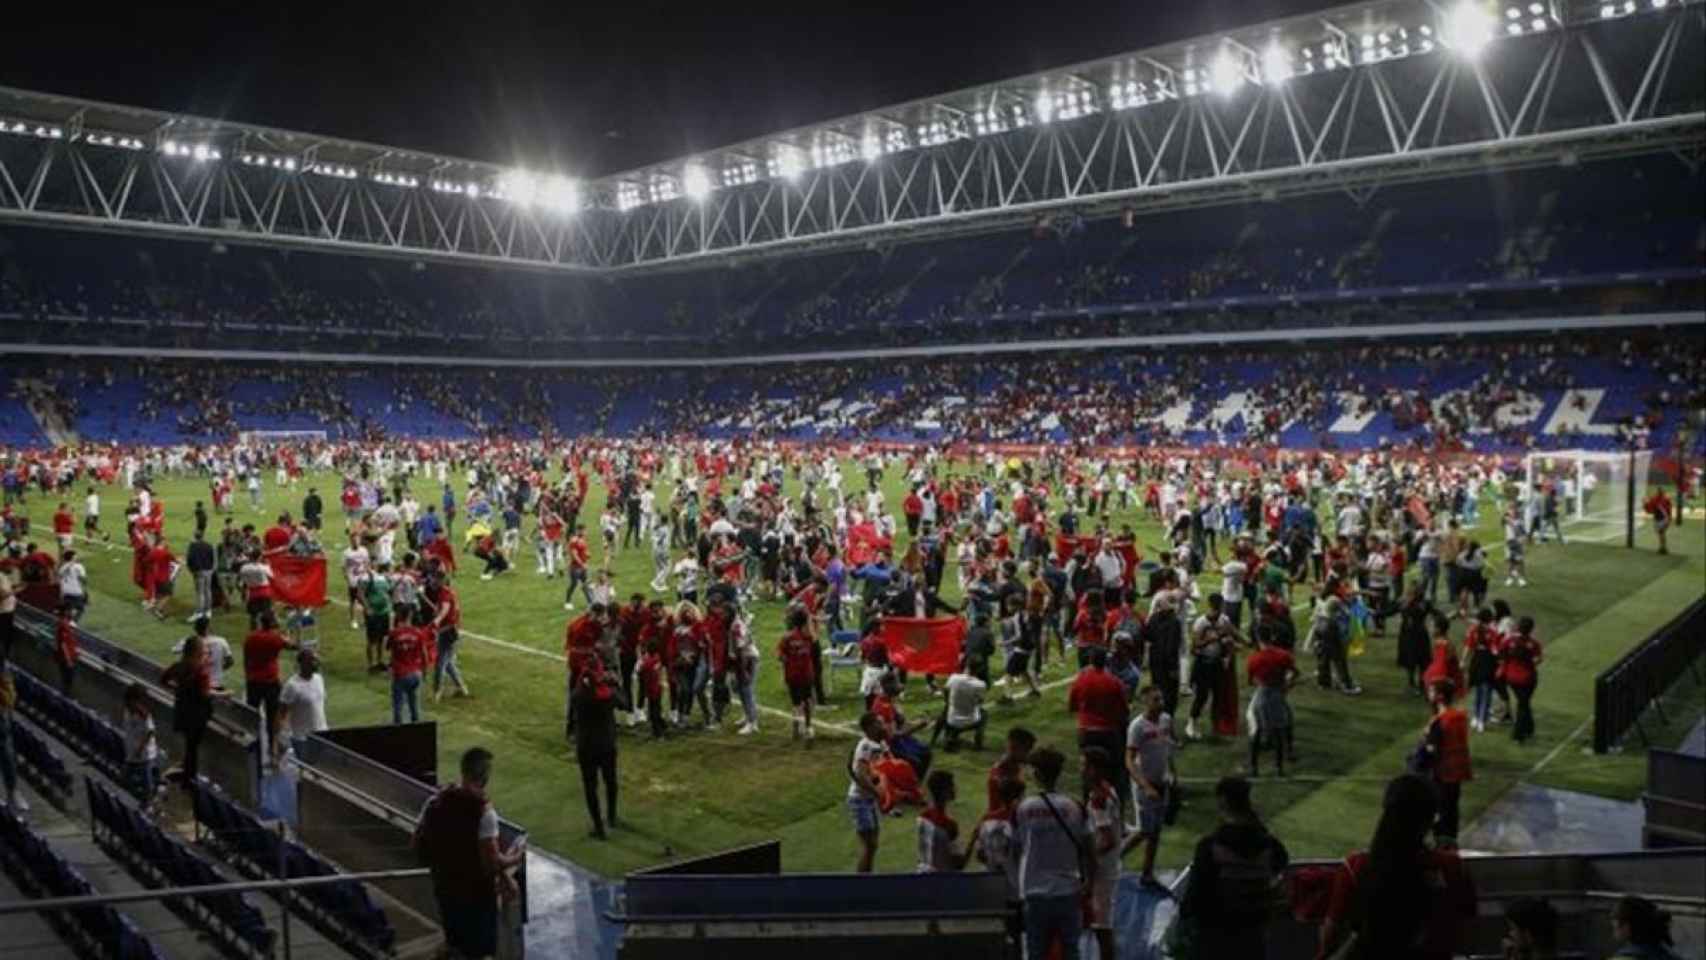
{"points": [[963, 711]]}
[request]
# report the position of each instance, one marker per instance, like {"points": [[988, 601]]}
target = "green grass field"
{"points": [[703, 791]]}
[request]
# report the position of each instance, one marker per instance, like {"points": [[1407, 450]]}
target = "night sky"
{"points": [[582, 88]]}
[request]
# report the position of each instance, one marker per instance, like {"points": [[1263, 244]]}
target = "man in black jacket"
{"points": [[201, 561], [595, 701], [312, 507]]}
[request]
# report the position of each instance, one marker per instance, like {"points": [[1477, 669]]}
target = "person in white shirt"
{"points": [[1232, 576], [862, 803], [356, 562], [1052, 841], [73, 580], [217, 648], [304, 701], [964, 710]]}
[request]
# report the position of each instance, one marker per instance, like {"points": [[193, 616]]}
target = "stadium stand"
{"points": [[343, 911], [40, 872], [159, 859], [1598, 239], [1498, 394]]}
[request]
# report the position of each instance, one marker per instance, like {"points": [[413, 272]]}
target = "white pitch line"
{"points": [[559, 658], [1546, 760]]}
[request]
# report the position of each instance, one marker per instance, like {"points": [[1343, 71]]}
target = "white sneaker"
{"points": [[568, 606], [1509, 582], [746, 729], [1521, 583], [485, 576], [810, 733], [1191, 729]]}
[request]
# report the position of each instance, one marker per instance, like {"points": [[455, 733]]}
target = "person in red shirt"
{"points": [[260, 666], [578, 558], [580, 647], [65, 645], [913, 508], [1090, 629], [277, 538], [631, 621], [62, 526], [1272, 671], [799, 670], [442, 651], [1375, 897], [1519, 667], [1011, 767], [1098, 699], [159, 573], [408, 645], [1657, 506], [649, 671], [1445, 743]]}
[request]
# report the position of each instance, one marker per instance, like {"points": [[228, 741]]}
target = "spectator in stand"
{"points": [[1400, 900], [73, 584], [1236, 873], [457, 837], [1051, 839], [1531, 930], [1643, 929], [193, 692], [217, 648], [141, 752], [8, 753], [304, 701]]}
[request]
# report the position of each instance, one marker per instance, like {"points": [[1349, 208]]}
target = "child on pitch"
{"points": [[937, 830]]}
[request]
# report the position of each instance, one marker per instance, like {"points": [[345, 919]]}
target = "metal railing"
{"points": [[280, 890], [1640, 678]]}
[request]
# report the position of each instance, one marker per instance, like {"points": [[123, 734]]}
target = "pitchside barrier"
{"points": [[944, 916], [358, 813], [105, 670], [1674, 801], [1639, 680]]}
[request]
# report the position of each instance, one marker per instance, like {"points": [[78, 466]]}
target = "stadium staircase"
{"points": [[52, 425]]}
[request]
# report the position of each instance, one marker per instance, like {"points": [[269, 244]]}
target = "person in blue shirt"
{"points": [[427, 527], [449, 501]]}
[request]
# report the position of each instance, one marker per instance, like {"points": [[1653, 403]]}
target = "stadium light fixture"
{"points": [[786, 162], [1468, 29], [628, 196], [1044, 107], [199, 152], [870, 148], [695, 182], [1276, 64], [1225, 74]]}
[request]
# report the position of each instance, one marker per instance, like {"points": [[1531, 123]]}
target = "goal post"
{"points": [[250, 437], [1599, 491]]}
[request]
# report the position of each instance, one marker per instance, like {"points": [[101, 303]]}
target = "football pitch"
{"points": [[701, 791]]}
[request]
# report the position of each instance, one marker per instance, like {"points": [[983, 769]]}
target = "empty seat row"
{"points": [[40, 872], [90, 734], [347, 907], [38, 756], [160, 859]]}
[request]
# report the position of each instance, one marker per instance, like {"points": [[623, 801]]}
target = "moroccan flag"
{"points": [[299, 581], [919, 645]]}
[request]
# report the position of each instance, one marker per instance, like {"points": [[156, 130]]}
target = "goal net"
{"points": [[1593, 490], [248, 437]]}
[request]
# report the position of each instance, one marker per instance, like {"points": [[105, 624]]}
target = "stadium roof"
{"points": [[1349, 98]]}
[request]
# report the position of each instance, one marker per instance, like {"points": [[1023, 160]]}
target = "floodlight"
{"points": [[786, 163], [1536, 9], [519, 187], [1538, 25], [870, 148], [561, 194], [1225, 75], [1468, 29], [695, 182], [1044, 107], [1276, 64], [1660, 4]]}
